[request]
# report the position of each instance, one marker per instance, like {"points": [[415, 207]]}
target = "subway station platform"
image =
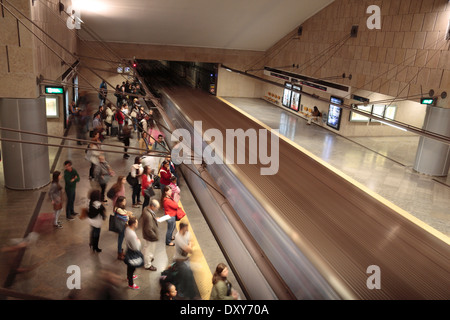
{"points": [[46, 266], [383, 165]]}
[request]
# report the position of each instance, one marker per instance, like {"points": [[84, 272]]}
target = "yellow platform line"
{"points": [[375, 195], [199, 266]]}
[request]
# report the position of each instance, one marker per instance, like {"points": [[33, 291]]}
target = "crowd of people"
{"points": [[148, 173]]}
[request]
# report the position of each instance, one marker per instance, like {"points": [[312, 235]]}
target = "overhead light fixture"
{"points": [[391, 125], [92, 6]]}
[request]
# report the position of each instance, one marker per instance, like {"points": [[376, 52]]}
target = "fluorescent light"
{"points": [[391, 125], [92, 6]]}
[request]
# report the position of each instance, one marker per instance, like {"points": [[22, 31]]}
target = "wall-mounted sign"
{"points": [[54, 90], [51, 107], [427, 101]]}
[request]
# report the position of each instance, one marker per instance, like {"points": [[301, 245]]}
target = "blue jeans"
{"points": [[70, 202], [171, 223]]}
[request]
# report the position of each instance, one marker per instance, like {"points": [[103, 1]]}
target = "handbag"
{"points": [[57, 206], [180, 214], [84, 213], [111, 193], [132, 181], [112, 224], [134, 258], [149, 192]]}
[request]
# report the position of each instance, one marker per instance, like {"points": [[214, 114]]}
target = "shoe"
{"points": [[75, 213], [135, 206], [134, 287], [151, 268], [139, 203], [120, 256], [135, 277], [171, 244], [70, 218], [58, 225], [97, 250]]}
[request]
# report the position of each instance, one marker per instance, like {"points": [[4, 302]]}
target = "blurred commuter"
{"points": [[118, 189], [109, 285], [183, 249], [222, 289], [96, 215], [56, 196], [93, 151], [102, 173]]}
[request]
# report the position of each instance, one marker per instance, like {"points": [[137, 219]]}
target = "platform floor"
{"points": [[382, 164]]}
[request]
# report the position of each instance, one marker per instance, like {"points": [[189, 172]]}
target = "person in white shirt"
{"points": [[132, 242]]}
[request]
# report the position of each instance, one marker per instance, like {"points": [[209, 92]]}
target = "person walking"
{"points": [[55, 194], [102, 173], [132, 243], [71, 178], [149, 233], [183, 248], [96, 215]]}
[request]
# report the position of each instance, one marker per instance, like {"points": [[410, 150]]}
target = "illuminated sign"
{"points": [[428, 101], [54, 90]]}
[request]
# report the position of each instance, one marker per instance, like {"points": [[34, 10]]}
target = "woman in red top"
{"points": [[165, 174], [170, 208], [146, 182]]}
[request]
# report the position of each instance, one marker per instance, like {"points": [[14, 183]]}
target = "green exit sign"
{"points": [[428, 101], [54, 90]]}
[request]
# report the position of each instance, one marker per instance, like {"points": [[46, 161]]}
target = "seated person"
{"points": [[315, 114]]}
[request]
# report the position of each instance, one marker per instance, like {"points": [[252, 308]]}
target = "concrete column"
{"points": [[433, 157], [25, 166]]}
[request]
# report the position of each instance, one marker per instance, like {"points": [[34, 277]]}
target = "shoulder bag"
{"points": [[134, 258]]}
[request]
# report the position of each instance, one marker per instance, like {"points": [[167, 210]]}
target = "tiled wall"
{"points": [[23, 57], [408, 54]]}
